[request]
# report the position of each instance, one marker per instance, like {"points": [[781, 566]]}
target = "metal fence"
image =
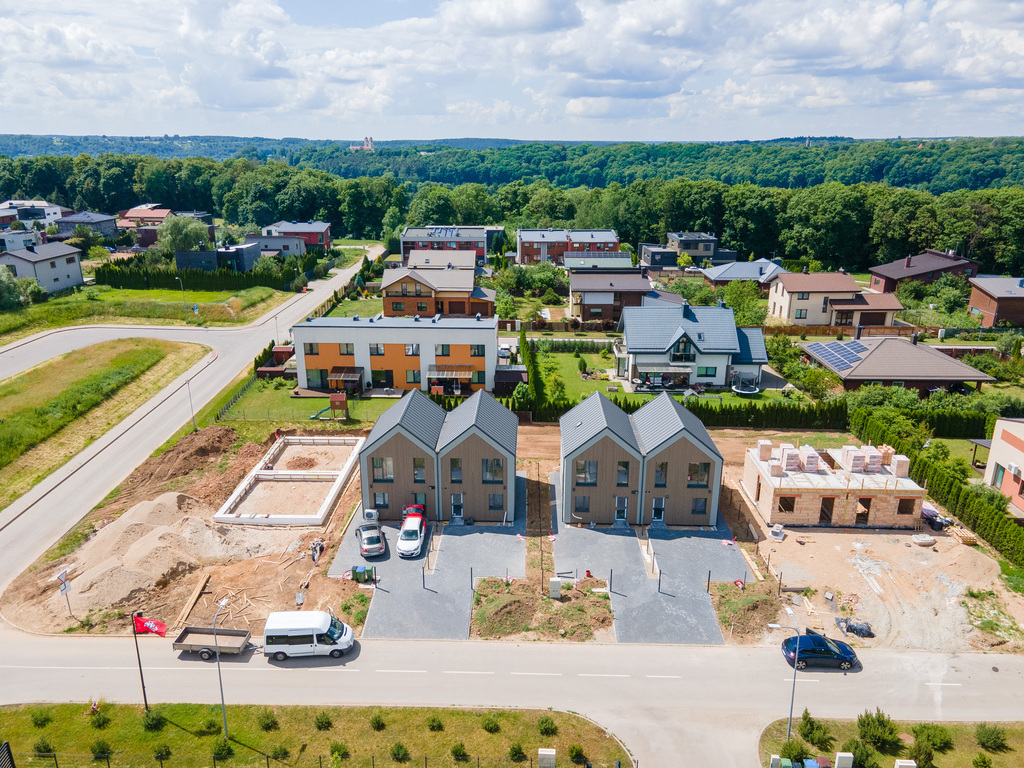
{"points": [[121, 760], [224, 409]]}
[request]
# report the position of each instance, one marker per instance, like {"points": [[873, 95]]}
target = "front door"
{"points": [[457, 505], [383, 379], [620, 507], [658, 509]]}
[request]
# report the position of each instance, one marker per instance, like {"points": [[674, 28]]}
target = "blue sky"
{"points": [[653, 70]]}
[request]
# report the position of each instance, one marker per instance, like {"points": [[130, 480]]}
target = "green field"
{"points": [[265, 402], [362, 307]]}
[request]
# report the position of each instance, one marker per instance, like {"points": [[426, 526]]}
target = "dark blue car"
{"points": [[818, 650]]}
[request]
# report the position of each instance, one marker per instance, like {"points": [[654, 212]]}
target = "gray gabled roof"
{"points": [[44, 252], [654, 328], [590, 418], [416, 414], [485, 413], [762, 270], [663, 419], [752, 348]]}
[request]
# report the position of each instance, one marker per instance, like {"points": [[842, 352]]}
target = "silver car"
{"points": [[371, 540]]}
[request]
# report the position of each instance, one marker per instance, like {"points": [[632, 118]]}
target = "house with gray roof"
{"points": [[456, 464], [616, 261], [100, 223], [997, 300], [55, 266], [676, 346], [700, 247], [448, 291], [761, 271], [602, 296], [658, 466]]}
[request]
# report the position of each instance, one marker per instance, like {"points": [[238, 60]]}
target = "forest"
{"points": [[851, 225]]}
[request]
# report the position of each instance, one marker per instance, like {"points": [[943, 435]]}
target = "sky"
{"points": [[587, 70]]}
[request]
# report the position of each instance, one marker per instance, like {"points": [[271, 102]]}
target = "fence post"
{"points": [[55, 764], [268, 760], [709, 582], [611, 573]]}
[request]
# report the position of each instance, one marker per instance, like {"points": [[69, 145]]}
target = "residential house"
{"points": [[997, 300], [828, 298], [893, 361], [445, 354], [54, 266], [699, 246], [203, 217], [657, 466], [417, 453], [841, 488], [679, 345], [448, 292], [240, 258], [1005, 462], [278, 245], [603, 296], [100, 223], [13, 239], [656, 257], [32, 212], [146, 235], [147, 215], [445, 238], [466, 260], [925, 268], [760, 271], [539, 245], [316, 234], [616, 261]]}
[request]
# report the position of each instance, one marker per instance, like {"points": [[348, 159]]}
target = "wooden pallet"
{"points": [[962, 535]]}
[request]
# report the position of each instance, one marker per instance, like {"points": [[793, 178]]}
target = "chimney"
{"points": [[913, 338], [907, 262], [1021, 283], [30, 248], [805, 269], [721, 303]]}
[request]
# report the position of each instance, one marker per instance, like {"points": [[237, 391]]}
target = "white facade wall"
{"points": [[52, 275], [783, 304], [12, 240]]}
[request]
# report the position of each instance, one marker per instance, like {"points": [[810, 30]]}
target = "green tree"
{"points": [[684, 261], [84, 238], [744, 298], [505, 305], [11, 294], [432, 205], [179, 233]]}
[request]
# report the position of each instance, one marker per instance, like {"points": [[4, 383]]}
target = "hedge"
{"points": [[263, 357], [137, 278]]}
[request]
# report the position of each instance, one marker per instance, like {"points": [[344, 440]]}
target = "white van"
{"points": [[305, 633]]}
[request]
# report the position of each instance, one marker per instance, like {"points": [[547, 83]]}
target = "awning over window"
{"points": [[342, 373], [676, 369], [452, 371]]}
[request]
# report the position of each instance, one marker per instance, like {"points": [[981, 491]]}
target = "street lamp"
{"points": [[796, 658], [184, 306], [188, 386], [220, 680]]}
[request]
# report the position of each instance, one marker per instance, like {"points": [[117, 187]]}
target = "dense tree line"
{"points": [[840, 225]]}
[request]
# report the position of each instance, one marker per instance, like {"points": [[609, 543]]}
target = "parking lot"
{"points": [[409, 604]]}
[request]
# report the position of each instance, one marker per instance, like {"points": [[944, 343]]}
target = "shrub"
{"points": [[981, 760], [575, 752], [990, 737], [209, 726], [938, 736], [921, 752], [339, 749], [490, 723], [100, 750], [280, 752], [323, 721], [547, 726], [399, 752], [459, 752], [434, 723], [152, 721], [162, 752], [99, 719], [878, 729], [42, 747], [815, 732], [863, 755], [516, 753], [222, 748], [41, 718], [267, 720], [377, 722], [551, 298], [794, 749]]}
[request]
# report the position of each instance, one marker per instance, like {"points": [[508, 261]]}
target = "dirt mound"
{"points": [[301, 463]]}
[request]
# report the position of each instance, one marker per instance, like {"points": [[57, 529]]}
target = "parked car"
{"points": [[413, 532], [818, 651], [371, 540], [305, 633], [504, 350]]}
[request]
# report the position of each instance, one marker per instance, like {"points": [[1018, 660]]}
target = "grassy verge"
{"points": [[746, 612], [270, 401], [960, 755], [51, 381], [289, 734]]}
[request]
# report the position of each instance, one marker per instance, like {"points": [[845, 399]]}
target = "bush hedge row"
{"points": [[137, 278]]}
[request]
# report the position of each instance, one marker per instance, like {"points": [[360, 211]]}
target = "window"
{"points": [[620, 507], [824, 304], [586, 472], [596, 311], [383, 469], [311, 349], [441, 350], [398, 306], [906, 507], [787, 504], [582, 505], [997, 478], [456, 470], [622, 474], [803, 296], [658, 508], [712, 371], [376, 350], [493, 470], [698, 475], [898, 384], [476, 350], [419, 290], [495, 501], [661, 474], [346, 349], [969, 271], [70, 259], [380, 500], [420, 498], [53, 265], [412, 350], [699, 507], [412, 377], [801, 314], [421, 306], [419, 470], [478, 377], [457, 504], [405, 289]]}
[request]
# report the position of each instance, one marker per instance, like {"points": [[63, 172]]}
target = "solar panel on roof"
{"points": [[842, 366], [856, 346]]}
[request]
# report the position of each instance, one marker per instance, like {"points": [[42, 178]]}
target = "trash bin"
{"points": [[362, 574]]}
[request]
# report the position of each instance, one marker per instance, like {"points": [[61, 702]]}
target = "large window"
{"points": [[376, 350], [478, 377], [698, 475], [476, 350], [493, 470], [421, 306], [997, 478], [346, 349], [582, 505], [801, 314], [419, 470], [586, 472], [412, 377], [441, 350], [699, 507], [661, 474], [456, 470], [412, 350], [383, 469], [710, 371], [311, 348], [803, 296], [787, 504], [495, 501], [622, 473], [380, 500], [420, 498], [906, 507], [398, 306]]}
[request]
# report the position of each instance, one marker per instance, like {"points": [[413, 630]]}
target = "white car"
{"points": [[504, 350], [412, 534]]}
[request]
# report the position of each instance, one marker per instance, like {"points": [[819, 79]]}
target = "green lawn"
{"points": [[362, 307], [268, 403], [353, 241], [964, 449]]}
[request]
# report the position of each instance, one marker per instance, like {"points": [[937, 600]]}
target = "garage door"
{"points": [[872, 318]]}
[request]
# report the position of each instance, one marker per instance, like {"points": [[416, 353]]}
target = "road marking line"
{"points": [[665, 677], [464, 672], [800, 680], [943, 683], [584, 674], [538, 674], [404, 671]]}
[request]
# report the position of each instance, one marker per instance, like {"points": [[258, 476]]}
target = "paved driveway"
{"points": [[680, 613], [438, 606], [686, 557]]}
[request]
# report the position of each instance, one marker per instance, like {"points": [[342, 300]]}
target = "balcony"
{"points": [[683, 357]]}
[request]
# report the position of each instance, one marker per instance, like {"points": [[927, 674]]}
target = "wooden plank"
{"points": [[190, 603]]}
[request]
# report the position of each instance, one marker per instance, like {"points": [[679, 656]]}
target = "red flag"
{"points": [[150, 625]]}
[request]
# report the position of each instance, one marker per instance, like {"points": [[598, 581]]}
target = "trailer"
{"points": [[200, 640]]}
